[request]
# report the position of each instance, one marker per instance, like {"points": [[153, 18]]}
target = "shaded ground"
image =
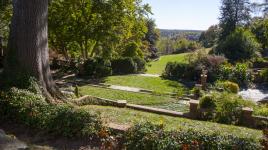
{"points": [[18, 136]]}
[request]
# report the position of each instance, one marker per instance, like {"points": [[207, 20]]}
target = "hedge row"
{"points": [[153, 137]]}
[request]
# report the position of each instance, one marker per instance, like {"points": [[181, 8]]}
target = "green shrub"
{"points": [[25, 107], [261, 110], [227, 108], [198, 62], [197, 92], [153, 137], [124, 66], [207, 102], [228, 86], [177, 71], [132, 50], [141, 64], [96, 68], [239, 46], [239, 73], [264, 75]]}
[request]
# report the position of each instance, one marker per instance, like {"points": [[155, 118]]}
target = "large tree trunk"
{"points": [[27, 53]]}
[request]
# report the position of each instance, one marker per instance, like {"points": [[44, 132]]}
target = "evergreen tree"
{"points": [[234, 13]]}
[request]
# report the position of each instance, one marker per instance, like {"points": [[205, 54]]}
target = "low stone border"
{"points": [[247, 118], [156, 110], [90, 100]]}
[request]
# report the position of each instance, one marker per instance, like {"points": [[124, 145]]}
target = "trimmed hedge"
{"points": [[25, 107], [128, 65], [154, 137], [96, 67]]}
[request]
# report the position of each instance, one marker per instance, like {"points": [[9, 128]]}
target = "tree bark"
{"points": [[27, 53]]}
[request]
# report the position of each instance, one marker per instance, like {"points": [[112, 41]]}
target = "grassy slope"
{"points": [[155, 84], [135, 98], [129, 116], [157, 67]]}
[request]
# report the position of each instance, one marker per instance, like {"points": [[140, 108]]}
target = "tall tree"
{"points": [[27, 53], [152, 37], [234, 13]]}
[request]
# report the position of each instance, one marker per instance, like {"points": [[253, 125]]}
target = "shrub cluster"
{"points": [[240, 45], [192, 71], [98, 67], [128, 65], [264, 75], [239, 73], [31, 109], [228, 86], [225, 107], [148, 136]]}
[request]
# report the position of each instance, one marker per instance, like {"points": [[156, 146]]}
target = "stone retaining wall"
{"points": [[247, 118]]}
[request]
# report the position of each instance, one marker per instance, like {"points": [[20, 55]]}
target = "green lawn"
{"points": [[134, 98], [155, 84], [130, 117], [157, 67]]}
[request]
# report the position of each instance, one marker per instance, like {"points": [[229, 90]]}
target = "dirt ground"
{"points": [[13, 137]]}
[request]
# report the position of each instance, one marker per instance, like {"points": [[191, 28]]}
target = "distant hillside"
{"points": [[188, 34]]}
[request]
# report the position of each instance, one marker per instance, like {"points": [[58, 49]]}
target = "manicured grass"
{"points": [[133, 98], [130, 117], [157, 67], [155, 84], [164, 102]]}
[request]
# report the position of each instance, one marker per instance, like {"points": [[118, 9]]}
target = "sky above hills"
{"points": [[185, 14]]}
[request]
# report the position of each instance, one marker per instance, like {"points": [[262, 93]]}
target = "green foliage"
{"points": [[240, 45], [152, 36], [197, 92], [176, 45], [96, 68], [141, 64], [238, 73], [197, 63], [261, 110], [228, 107], [207, 102], [149, 136], [233, 15], [158, 66], [96, 28], [31, 109], [5, 19], [264, 75], [210, 37], [175, 71], [228, 86], [128, 65], [124, 66], [260, 28], [132, 50]]}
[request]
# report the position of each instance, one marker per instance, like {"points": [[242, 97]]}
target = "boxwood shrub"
{"points": [[148, 136]]}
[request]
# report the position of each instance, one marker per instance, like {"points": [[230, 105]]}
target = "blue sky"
{"points": [[185, 14]]}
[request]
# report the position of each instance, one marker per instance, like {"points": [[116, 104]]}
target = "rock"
{"points": [[8, 142]]}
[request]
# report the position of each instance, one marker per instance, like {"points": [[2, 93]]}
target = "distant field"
{"points": [[157, 67], [155, 84]]}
